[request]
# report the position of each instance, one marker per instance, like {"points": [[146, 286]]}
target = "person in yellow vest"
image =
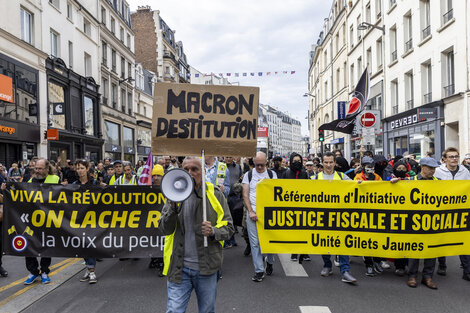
{"points": [[329, 173], [187, 263], [217, 174], [157, 175], [128, 178], [118, 172], [43, 174]]}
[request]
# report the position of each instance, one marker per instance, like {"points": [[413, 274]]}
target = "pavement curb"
{"points": [[38, 291]]}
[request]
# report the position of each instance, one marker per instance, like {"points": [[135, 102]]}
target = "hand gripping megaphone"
{"points": [[177, 185]]}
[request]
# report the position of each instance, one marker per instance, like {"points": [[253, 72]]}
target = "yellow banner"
{"points": [[409, 219]]}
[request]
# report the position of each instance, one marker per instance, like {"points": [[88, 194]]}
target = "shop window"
{"points": [[128, 136], [89, 116], [56, 101], [112, 133], [145, 136], [421, 143]]}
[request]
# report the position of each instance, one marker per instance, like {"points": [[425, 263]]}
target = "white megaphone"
{"points": [[177, 185]]}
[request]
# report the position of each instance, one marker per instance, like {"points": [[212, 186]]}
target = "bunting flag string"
{"points": [[244, 74]]}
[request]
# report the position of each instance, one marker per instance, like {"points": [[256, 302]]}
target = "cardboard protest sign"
{"points": [[187, 118], [409, 219]]}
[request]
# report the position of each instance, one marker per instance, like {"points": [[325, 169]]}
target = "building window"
{"points": [[123, 100], [408, 32], [449, 79], [121, 34], [70, 54], [369, 60], [447, 11], [113, 60], [112, 133], [104, 53], [114, 95], [394, 95], [359, 68], [393, 44], [338, 75], [378, 8], [351, 76], [345, 73], [113, 26], [128, 41], [425, 11], [69, 11], [54, 44], [351, 35], [123, 67], [129, 69], [86, 27], [392, 3], [103, 16], [379, 54], [129, 103], [368, 13], [87, 63], [409, 85], [105, 91], [358, 22], [26, 26], [56, 101], [89, 117], [426, 82], [55, 3]]}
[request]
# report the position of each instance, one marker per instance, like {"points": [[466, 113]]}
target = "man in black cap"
{"points": [[277, 168]]}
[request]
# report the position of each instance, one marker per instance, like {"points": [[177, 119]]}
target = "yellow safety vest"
{"points": [[221, 170], [50, 179], [335, 177], [168, 248]]}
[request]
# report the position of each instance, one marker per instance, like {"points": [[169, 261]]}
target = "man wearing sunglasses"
{"points": [[451, 170]]}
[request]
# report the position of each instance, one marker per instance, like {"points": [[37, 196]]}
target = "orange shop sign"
{"points": [[6, 88], [52, 134]]}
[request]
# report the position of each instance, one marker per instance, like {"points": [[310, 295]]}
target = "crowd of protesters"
{"points": [[236, 179]]}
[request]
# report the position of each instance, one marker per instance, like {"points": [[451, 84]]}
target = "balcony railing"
{"points": [[408, 45], [426, 32], [394, 55], [427, 98], [449, 90], [409, 104], [448, 16]]}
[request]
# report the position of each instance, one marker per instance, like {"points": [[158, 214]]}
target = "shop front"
{"points": [[74, 111], [20, 132], [417, 131]]}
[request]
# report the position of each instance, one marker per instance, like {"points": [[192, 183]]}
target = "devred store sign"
{"points": [[6, 88], [262, 132]]}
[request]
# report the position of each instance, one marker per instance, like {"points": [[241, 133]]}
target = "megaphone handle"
{"points": [[204, 206]]}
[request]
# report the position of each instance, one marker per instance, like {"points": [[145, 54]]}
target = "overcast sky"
{"points": [[228, 36]]}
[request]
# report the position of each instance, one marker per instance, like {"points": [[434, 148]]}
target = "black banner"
{"points": [[78, 221]]}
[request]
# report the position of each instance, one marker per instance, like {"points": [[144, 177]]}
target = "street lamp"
{"points": [[365, 25], [128, 79], [308, 94]]}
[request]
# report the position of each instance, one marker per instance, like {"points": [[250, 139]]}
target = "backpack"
{"points": [[250, 175]]}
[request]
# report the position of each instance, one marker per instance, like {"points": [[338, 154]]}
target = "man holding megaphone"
{"points": [[187, 263]]}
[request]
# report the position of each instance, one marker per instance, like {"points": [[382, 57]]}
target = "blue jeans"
{"points": [[255, 247], [343, 262], [179, 294], [90, 262]]}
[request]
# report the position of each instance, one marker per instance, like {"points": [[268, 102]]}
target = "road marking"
{"points": [[67, 263], [20, 281], [314, 309], [291, 268]]}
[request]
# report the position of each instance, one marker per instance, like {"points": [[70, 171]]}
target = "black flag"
{"points": [[356, 106]]}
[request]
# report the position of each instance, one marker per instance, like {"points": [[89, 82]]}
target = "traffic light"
{"points": [[321, 135]]}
